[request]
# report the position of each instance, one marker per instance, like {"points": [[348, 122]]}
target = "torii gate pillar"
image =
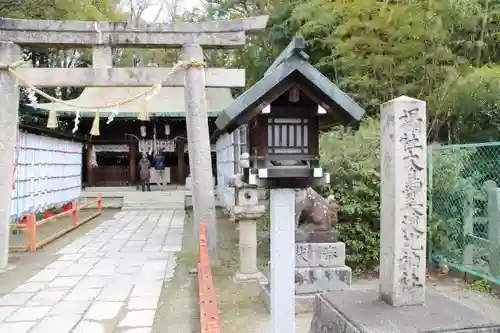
{"points": [[200, 161], [9, 53]]}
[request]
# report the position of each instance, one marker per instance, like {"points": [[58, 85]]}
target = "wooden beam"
{"points": [[122, 76], [122, 34]]}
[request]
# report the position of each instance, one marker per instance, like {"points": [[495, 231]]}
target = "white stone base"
{"points": [[255, 277]]}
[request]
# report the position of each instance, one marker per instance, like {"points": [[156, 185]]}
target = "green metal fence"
{"points": [[464, 208]]}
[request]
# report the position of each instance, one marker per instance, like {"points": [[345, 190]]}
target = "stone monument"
{"points": [[319, 267], [319, 256], [402, 304]]}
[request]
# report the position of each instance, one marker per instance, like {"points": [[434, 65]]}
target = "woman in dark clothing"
{"points": [[144, 166]]}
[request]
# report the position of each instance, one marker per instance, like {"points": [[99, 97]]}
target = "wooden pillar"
{"points": [[9, 95], [180, 161], [132, 159]]}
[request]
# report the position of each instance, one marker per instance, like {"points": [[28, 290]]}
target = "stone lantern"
{"points": [[284, 113]]}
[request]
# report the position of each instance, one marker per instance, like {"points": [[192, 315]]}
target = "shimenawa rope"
{"points": [[143, 115]]}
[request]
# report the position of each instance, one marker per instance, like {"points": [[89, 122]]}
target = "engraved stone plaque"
{"points": [[320, 279], [319, 254]]}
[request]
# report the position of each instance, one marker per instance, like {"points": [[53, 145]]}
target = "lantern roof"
{"points": [[291, 68]]}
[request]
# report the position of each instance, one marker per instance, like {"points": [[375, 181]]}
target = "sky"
{"points": [[152, 11]]}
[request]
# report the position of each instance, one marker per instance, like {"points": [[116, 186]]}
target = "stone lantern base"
{"points": [[255, 277]]}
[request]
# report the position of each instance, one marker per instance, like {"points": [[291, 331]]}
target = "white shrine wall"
{"points": [[48, 173], [228, 149]]}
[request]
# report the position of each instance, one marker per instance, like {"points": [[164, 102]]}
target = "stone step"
{"points": [[154, 209], [155, 201], [160, 204]]}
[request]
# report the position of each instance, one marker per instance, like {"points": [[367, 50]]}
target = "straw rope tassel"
{"points": [[94, 131], [144, 114], [52, 121]]}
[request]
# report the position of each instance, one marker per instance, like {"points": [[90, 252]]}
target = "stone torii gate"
{"points": [[191, 38]]}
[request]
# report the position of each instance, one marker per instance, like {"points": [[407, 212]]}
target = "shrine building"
{"points": [[111, 158]]}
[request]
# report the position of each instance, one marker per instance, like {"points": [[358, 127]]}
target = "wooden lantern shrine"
{"points": [[285, 111]]}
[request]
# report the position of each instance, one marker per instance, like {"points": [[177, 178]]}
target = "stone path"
{"points": [[107, 281]]}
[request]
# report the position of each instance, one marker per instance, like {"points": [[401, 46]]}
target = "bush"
{"points": [[353, 159]]}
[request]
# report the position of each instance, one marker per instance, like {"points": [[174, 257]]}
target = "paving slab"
{"points": [[23, 327], [15, 298], [86, 326], [30, 313], [106, 281], [59, 324], [138, 318]]}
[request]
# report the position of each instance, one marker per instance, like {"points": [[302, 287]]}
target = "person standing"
{"points": [[159, 165], [144, 175]]}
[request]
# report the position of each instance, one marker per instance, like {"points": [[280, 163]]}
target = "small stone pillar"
{"points": [[246, 212]]}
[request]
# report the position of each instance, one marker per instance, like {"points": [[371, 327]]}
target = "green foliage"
{"points": [[87, 10], [98, 10], [469, 107], [353, 159], [362, 246], [481, 286], [376, 51], [380, 50]]}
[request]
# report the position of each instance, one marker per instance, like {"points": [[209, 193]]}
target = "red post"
{"points": [[31, 224], [74, 212], [99, 203]]}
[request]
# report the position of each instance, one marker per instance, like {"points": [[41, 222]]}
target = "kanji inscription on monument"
{"points": [[403, 201], [319, 254]]}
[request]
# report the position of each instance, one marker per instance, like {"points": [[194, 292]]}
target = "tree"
{"points": [[468, 109], [58, 10]]}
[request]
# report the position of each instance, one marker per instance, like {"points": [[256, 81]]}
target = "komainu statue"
{"points": [[318, 212]]}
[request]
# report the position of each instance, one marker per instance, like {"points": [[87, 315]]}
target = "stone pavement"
{"points": [[107, 281]]}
